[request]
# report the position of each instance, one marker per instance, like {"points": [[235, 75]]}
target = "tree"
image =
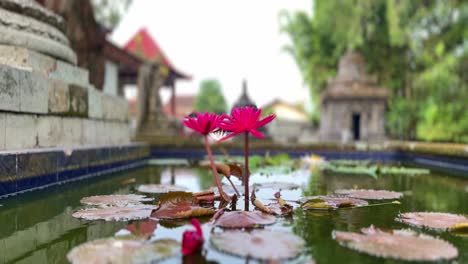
{"points": [[110, 12], [417, 49], [210, 97]]}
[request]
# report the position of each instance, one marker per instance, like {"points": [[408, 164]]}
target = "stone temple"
{"points": [[353, 105]]}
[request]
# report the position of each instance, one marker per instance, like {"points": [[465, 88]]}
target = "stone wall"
{"points": [[45, 102]]}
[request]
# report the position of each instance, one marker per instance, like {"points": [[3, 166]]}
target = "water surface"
{"points": [[38, 228]]}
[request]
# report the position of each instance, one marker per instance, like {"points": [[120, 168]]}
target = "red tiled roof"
{"points": [[144, 46]]}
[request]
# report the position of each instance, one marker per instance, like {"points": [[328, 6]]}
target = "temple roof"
{"points": [[352, 81], [244, 99], [145, 47]]}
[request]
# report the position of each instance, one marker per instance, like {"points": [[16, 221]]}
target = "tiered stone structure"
{"points": [[45, 99], [353, 105]]}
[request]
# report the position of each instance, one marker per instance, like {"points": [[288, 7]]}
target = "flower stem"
{"points": [[215, 172], [246, 171]]}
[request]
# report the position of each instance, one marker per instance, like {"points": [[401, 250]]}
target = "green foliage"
{"points": [[417, 49], [210, 98], [110, 12]]}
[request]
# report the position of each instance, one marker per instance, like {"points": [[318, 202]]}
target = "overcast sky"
{"points": [[226, 40]]}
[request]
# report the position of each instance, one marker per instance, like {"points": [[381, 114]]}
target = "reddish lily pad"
{"points": [[370, 194], [277, 185], [159, 188], [143, 228], [115, 199], [433, 220], [176, 205], [397, 244], [112, 250], [244, 219], [115, 213], [330, 202], [259, 244]]}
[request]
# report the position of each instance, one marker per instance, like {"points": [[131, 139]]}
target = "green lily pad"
{"points": [[112, 250], [330, 202], [370, 194], [259, 244]]}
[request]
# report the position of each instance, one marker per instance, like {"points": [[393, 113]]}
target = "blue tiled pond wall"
{"points": [[27, 170]]}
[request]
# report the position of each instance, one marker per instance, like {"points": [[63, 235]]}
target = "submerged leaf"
{"points": [[330, 202], [159, 188], [143, 228], [115, 199], [259, 244], [244, 219], [112, 250], [398, 244], [115, 213], [176, 205], [433, 220], [370, 194], [228, 169]]}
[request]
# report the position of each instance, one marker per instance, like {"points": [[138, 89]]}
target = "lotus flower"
{"points": [[192, 240], [204, 124], [245, 120]]}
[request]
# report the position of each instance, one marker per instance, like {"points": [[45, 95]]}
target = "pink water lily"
{"points": [[245, 120]]}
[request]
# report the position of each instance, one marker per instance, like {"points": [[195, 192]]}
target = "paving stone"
{"points": [[21, 131], [114, 108], [78, 100], [90, 132], [72, 131], [94, 103], [25, 59], [9, 89], [34, 92], [70, 74], [2, 130], [50, 131], [59, 97]]}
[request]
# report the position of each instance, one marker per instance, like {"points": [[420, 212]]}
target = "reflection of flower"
{"points": [[192, 240], [245, 119], [204, 123]]}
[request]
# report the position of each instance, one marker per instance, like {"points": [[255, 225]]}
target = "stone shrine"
{"points": [[45, 99], [353, 105]]}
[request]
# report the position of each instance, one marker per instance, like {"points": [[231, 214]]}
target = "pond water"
{"points": [[38, 228]]}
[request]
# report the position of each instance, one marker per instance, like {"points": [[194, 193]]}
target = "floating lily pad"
{"points": [[370, 194], [397, 244], [115, 213], [259, 244], [330, 202], [115, 199], [112, 250], [277, 185], [159, 188], [433, 220], [241, 219], [176, 205]]}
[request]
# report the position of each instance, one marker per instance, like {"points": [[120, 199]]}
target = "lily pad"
{"points": [[227, 169], [277, 185], [115, 213], [175, 205], [112, 250], [244, 219], [397, 244], [115, 199], [433, 220], [259, 244], [159, 188], [370, 194], [330, 202]]}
